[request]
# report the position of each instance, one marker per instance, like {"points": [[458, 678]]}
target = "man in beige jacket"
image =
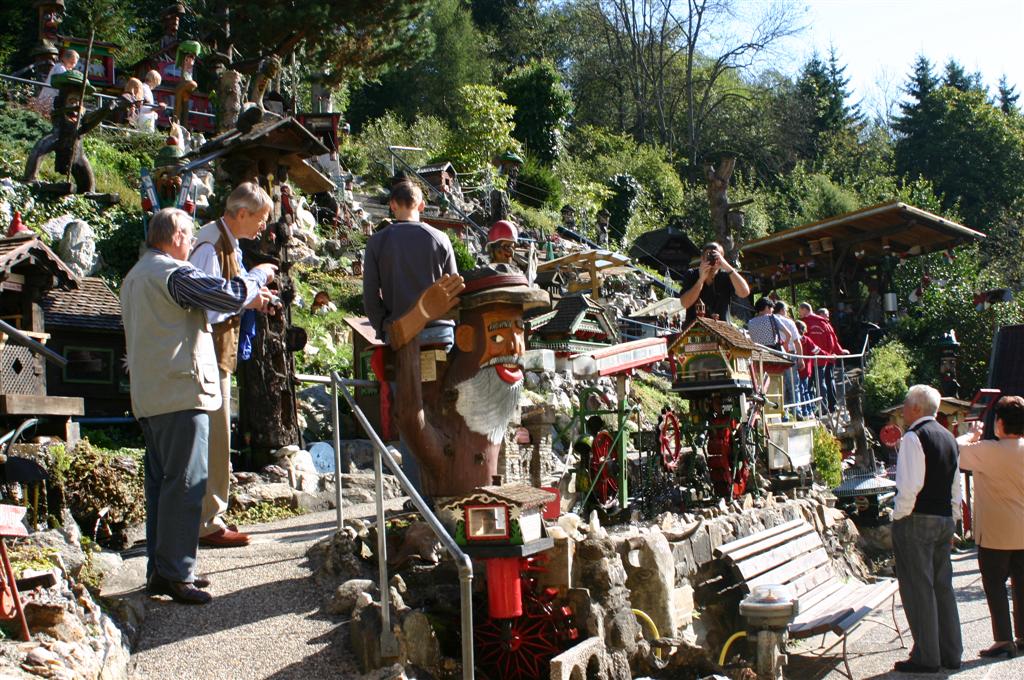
{"points": [[216, 253], [998, 467]]}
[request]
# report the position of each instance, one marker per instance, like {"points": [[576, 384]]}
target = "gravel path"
{"points": [[264, 621], [877, 649]]}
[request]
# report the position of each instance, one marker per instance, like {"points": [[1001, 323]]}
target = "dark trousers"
{"points": [[922, 545], [995, 567], [175, 465], [827, 381]]}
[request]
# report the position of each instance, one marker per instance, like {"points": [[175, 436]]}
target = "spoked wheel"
{"points": [[517, 649], [604, 464], [670, 440], [744, 459]]}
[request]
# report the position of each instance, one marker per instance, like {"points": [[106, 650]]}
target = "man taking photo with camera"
{"points": [[713, 283]]}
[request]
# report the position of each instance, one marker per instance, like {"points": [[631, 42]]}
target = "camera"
{"points": [[711, 256], [275, 302]]}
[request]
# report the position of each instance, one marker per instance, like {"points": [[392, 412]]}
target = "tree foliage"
{"points": [[542, 107]]}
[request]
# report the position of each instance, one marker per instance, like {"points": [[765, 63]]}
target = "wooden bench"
{"points": [[792, 554]]}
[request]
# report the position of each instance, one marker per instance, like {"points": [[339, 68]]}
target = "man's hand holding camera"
{"points": [[266, 300]]}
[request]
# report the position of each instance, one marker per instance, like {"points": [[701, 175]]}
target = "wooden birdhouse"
{"points": [[575, 325], [711, 355], [509, 515]]}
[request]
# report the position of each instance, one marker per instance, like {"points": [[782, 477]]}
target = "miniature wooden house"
{"points": [[85, 326], [442, 176], [575, 325], [28, 270], [711, 355], [509, 515]]}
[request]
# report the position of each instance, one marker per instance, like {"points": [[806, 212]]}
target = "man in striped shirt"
{"points": [[174, 387]]}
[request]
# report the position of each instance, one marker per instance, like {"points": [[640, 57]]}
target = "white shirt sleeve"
{"points": [[204, 258], [910, 475]]}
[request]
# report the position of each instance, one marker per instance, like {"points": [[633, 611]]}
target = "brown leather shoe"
{"points": [[184, 593], [225, 538], [201, 581]]}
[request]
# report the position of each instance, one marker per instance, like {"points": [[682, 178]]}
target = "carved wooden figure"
{"points": [[455, 419]]}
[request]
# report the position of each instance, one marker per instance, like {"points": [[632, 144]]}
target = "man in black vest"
{"points": [[927, 508]]}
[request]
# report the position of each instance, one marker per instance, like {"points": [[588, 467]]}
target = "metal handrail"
{"points": [[388, 641], [98, 95]]}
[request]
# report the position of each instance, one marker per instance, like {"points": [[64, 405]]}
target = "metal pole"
{"points": [[39, 348], [388, 641], [336, 417], [466, 597]]}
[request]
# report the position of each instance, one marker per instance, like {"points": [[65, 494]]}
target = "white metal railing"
{"points": [[388, 641]]}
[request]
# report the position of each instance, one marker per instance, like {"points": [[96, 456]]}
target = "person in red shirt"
{"points": [[820, 331], [805, 368]]}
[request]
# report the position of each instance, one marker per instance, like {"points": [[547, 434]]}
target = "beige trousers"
{"points": [[215, 502]]}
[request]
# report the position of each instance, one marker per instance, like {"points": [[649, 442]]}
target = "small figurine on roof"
{"points": [[166, 166], [70, 123]]}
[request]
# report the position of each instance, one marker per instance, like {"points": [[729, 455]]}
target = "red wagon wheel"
{"points": [[603, 474], [670, 437]]}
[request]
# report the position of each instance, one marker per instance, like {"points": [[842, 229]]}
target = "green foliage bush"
{"points": [[370, 150], [542, 107], [104, 491], [828, 457], [483, 128], [464, 260], [886, 377], [538, 186]]}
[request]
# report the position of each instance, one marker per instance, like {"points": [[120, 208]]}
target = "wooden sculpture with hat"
{"points": [[501, 242], [454, 420], [70, 124]]}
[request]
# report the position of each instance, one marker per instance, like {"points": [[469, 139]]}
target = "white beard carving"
{"points": [[486, 402]]}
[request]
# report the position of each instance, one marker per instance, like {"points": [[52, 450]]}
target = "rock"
{"points": [[243, 478], [105, 562], [275, 492], [343, 601], [41, 615], [539, 360], [420, 640], [651, 580], [333, 247], [70, 555], [55, 228], [416, 542], [359, 488], [356, 454], [286, 451], [77, 247], [275, 473]]}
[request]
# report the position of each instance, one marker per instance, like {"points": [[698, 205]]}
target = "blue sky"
{"points": [[879, 39]]}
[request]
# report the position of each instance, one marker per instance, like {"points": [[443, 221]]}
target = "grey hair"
{"points": [[924, 397], [248, 196], [165, 224]]}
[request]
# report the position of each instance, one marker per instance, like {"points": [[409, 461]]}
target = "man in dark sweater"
{"points": [[927, 508], [401, 262]]}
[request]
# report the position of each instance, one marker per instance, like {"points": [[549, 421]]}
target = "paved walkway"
{"points": [[264, 621], [874, 652]]}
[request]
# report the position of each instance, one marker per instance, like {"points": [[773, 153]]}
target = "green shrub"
{"points": [[828, 457], [464, 260], [538, 186], [886, 377], [104, 491]]}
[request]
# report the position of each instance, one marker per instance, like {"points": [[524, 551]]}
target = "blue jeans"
{"points": [[922, 545], [175, 480]]}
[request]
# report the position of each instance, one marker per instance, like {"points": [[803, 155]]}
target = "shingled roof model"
{"points": [[93, 306], [723, 330], [570, 314], [518, 495], [19, 252]]}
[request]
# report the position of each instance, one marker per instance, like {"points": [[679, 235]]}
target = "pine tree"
{"points": [[1006, 96], [916, 122], [956, 77]]}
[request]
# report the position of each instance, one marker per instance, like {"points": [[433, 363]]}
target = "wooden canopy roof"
{"points": [[93, 306], [868, 234]]}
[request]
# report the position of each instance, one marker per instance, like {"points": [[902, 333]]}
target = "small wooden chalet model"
{"points": [[509, 515], [712, 355], [28, 270]]}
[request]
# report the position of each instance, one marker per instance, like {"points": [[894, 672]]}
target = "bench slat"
{"points": [[770, 543], [874, 595], [791, 550], [817, 594], [726, 548], [824, 574], [844, 598], [791, 570]]}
